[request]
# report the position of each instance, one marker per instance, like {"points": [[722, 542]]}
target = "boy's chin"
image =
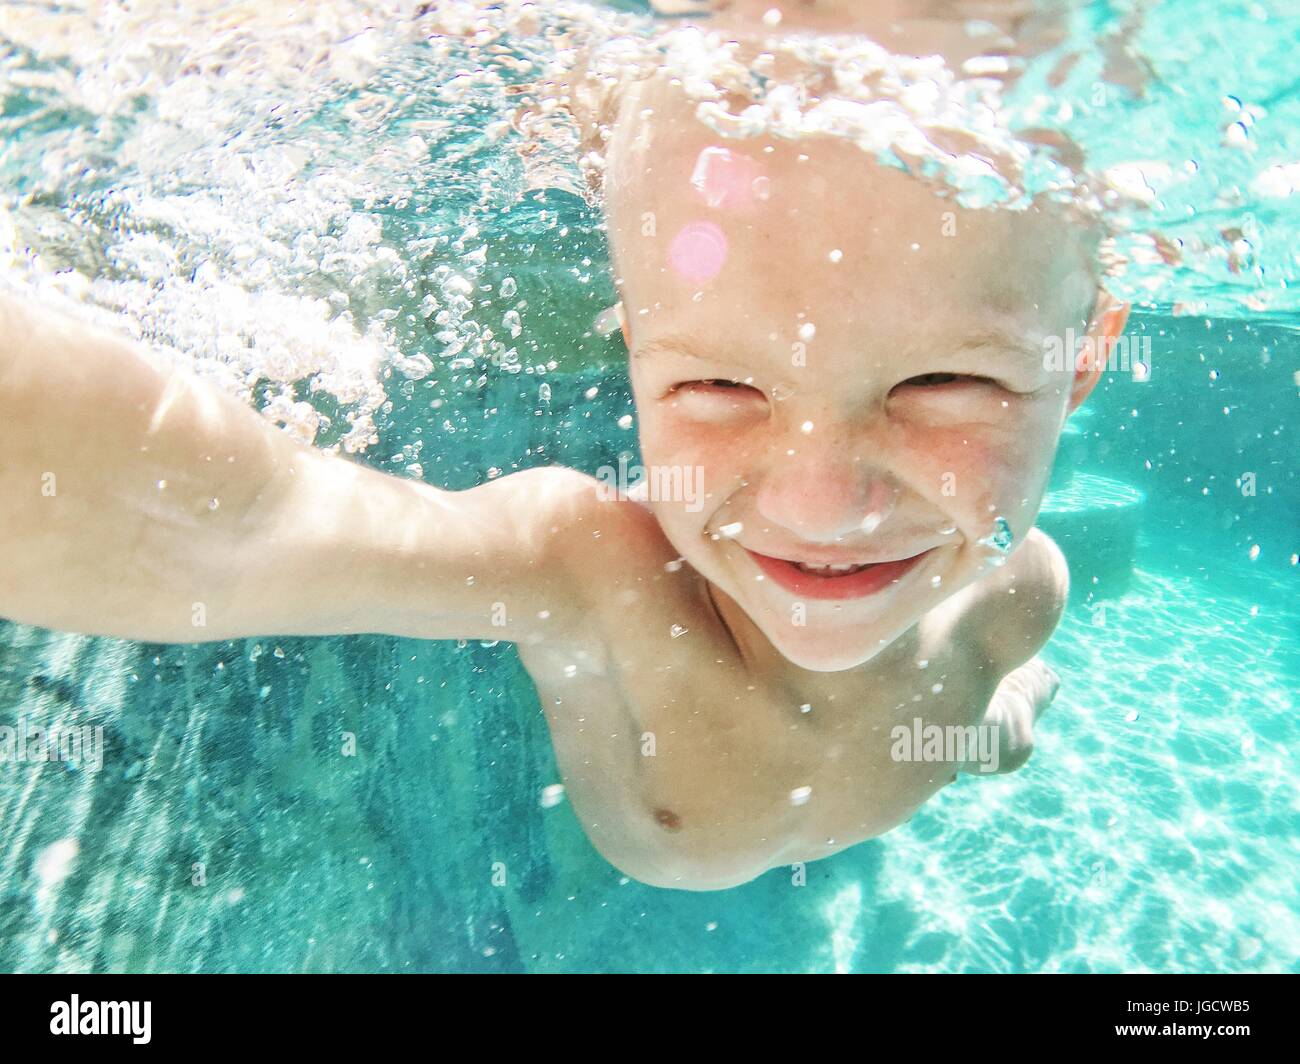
{"points": [[819, 650]]}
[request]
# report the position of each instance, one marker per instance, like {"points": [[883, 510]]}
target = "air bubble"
{"points": [[999, 540]]}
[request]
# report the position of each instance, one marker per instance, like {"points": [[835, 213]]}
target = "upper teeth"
{"points": [[841, 568]]}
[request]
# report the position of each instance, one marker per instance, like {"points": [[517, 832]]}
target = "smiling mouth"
{"points": [[844, 581]]}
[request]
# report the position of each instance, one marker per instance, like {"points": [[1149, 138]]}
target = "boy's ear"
{"points": [[622, 324], [1109, 317]]}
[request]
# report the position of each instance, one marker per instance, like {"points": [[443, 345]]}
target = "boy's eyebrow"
{"points": [[673, 345], [998, 339]]}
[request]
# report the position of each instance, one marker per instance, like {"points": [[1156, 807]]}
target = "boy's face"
{"points": [[856, 365]]}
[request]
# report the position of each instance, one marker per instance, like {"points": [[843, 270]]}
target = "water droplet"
{"points": [[936, 688], [591, 393], [800, 795], [806, 428], [762, 187], [509, 288], [552, 795], [730, 531], [936, 581], [570, 671], [1131, 715], [923, 663], [772, 17], [871, 522], [513, 322], [805, 708], [544, 392], [807, 331], [214, 503], [947, 530], [1254, 552], [625, 422], [677, 631], [837, 255], [674, 565], [162, 485], [781, 392]]}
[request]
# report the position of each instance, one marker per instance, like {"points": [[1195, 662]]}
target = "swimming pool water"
{"points": [[1155, 828]]}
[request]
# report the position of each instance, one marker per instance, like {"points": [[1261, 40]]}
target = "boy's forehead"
{"points": [[819, 221]]}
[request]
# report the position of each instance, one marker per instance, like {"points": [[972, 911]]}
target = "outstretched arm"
{"points": [[136, 501]]}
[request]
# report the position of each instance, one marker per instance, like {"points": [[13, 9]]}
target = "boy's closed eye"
{"points": [[929, 381], [945, 380]]}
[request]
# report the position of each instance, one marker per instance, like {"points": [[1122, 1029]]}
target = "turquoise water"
{"points": [[1155, 828]]}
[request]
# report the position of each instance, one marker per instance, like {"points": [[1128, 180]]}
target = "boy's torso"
{"points": [[690, 763]]}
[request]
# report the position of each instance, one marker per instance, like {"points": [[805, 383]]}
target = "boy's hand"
{"points": [[1021, 698]]}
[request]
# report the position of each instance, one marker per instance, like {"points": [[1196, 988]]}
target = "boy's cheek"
{"points": [[964, 473]]}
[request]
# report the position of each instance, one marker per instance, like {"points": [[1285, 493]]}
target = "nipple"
{"points": [[668, 820]]}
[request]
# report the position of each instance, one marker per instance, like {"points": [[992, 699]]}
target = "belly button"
{"points": [[668, 820]]}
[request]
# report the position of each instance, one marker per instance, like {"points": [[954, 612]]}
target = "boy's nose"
{"points": [[826, 500]]}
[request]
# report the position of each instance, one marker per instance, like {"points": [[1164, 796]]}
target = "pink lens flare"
{"points": [[698, 252], [726, 179]]}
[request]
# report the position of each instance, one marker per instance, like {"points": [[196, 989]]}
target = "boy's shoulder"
{"points": [[1008, 614], [598, 534]]}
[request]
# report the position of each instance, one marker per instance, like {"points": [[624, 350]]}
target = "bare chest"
{"points": [[668, 739]]}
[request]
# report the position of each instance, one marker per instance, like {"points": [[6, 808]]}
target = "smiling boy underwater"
{"points": [[864, 395]]}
